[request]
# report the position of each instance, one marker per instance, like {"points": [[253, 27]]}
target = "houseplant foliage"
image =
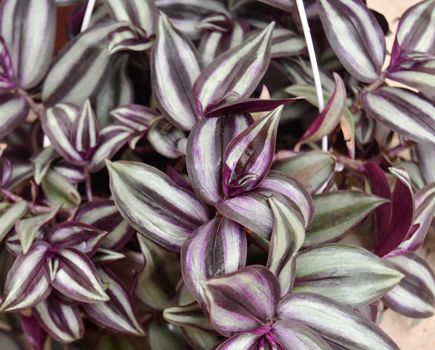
{"points": [[163, 186]]}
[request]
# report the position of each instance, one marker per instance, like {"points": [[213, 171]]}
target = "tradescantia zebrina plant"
{"points": [[182, 174]]}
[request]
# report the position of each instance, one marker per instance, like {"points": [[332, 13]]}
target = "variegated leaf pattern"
{"points": [[238, 71], [13, 112], [26, 27], [149, 205], [174, 68], [404, 111], [355, 36], [415, 295], [347, 274]]}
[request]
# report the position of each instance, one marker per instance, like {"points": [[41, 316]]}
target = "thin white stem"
{"points": [[313, 61], [88, 13]]}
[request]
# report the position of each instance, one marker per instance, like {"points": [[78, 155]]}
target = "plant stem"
{"points": [[37, 109], [34, 209], [313, 61], [350, 163], [373, 86], [88, 185]]}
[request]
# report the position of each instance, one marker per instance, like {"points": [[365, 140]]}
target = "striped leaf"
{"points": [[166, 139], [157, 282], [296, 336], [7, 75], [336, 323], [418, 76], [313, 170], [189, 315], [26, 27], [63, 322], [174, 68], [33, 332], [329, 118], [426, 160], [119, 314], [238, 71], [128, 38], [415, 295], [76, 235], [86, 131], [415, 31], [347, 121], [140, 13], [26, 283], [402, 214], [28, 229], [157, 208], [104, 215], [404, 111], [112, 139], [134, 116], [336, 213], [246, 340], [285, 5], [13, 112], [186, 15], [205, 150], [201, 339], [42, 162], [249, 155], [75, 276], [58, 190], [424, 212], [217, 248], [10, 215], [243, 300], [347, 274], [86, 53], [356, 37], [287, 238]]}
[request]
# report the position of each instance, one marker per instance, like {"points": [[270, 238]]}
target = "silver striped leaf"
{"points": [[415, 295], [336, 323], [154, 205], [404, 111], [237, 71], [347, 274], [13, 112], [174, 67], [80, 67], [26, 27], [63, 322], [356, 37]]}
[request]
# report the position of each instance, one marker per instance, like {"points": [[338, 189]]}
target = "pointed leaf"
{"points": [[157, 208], [313, 170], [329, 118], [238, 70], [86, 131], [336, 213], [415, 295], [205, 149], [34, 333], [216, 248], [58, 190], [119, 313], [287, 238], [42, 163], [404, 111], [334, 322], [26, 283], [28, 229], [26, 28], [174, 68], [86, 53], [414, 33], [10, 216], [136, 117], [73, 234], [426, 156], [77, 278], [63, 322], [189, 315], [249, 155], [349, 275], [243, 300], [13, 112], [296, 336], [355, 36]]}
